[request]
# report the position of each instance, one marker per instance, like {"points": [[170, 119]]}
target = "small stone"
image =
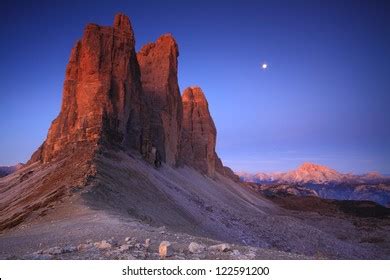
{"points": [[124, 247], [112, 241], [103, 245], [165, 249], [147, 243], [108, 254], [132, 241], [69, 249], [53, 251], [196, 248], [235, 253], [224, 247], [82, 247], [127, 239]]}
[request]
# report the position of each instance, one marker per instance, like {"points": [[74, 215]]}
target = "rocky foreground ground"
{"points": [[131, 249], [84, 233], [99, 236]]}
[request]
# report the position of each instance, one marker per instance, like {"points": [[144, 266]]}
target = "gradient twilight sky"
{"points": [[324, 98]]}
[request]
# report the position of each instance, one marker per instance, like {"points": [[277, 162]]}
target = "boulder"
{"points": [[147, 243], [165, 249], [224, 247], [103, 245], [53, 251], [196, 248], [124, 247], [82, 247]]}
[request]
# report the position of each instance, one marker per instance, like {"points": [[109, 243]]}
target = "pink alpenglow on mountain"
{"points": [[313, 173], [310, 172]]}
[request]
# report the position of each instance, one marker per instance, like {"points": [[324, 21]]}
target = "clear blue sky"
{"points": [[325, 97]]}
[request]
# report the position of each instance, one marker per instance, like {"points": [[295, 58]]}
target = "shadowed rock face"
{"points": [[102, 96], [158, 64], [199, 133]]}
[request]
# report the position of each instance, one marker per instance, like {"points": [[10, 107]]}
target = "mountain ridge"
{"points": [[312, 173]]}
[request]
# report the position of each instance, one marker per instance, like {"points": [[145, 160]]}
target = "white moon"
{"points": [[264, 66]]}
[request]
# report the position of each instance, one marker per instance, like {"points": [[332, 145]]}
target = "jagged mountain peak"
{"points": [[114, 99], [309, 172], [310, 167]]}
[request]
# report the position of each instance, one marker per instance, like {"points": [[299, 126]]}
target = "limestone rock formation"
{"points": [[198, 133], [113, 97], [158, 64], [102, 96]]}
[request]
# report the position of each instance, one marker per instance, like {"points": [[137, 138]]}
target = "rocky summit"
{"points": [[102, 101], [158, 64], [313, 173], [129, 170], [115, 99], [199, 132], [318, 180]]}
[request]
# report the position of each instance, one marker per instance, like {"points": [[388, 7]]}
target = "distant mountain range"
{"points": [[315, 180], [314, 174], [6, 170]]}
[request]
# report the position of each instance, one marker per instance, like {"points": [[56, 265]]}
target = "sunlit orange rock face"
{"points": [[102, 97], [114, 97], [158, 64], [199, 133]]}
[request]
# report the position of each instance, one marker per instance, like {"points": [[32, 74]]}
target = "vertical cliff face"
{"points": [[198, 133], [199, 136], [102, 96], [114, 97], [158, 64], [114, 101]]}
